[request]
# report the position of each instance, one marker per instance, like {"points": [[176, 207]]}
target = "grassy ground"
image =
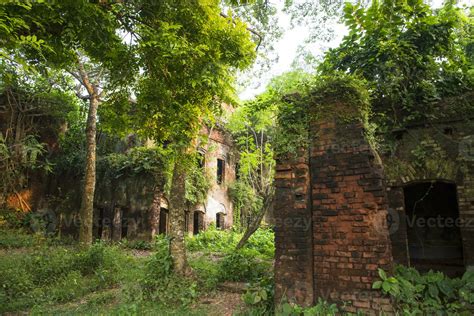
{"points": [[41, 275]]}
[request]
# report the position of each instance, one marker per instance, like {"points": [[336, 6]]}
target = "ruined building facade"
{"points": [[343, 211], [135, 206]]}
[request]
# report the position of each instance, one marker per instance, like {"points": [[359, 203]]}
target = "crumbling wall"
{"points": [[436, 151], [336, 184]]}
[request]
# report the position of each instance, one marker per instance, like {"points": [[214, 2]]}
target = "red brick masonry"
{"points": [[331, 209]]}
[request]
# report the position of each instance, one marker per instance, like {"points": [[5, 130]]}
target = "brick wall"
{"points": [[340, 189], [293, 231], [351, 238]]}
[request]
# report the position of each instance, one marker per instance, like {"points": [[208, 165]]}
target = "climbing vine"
{"points": [[156, 162]]}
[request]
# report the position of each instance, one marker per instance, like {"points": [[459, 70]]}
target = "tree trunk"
{"points": [[87, 204], [155, 212], [252, 228], [177, 207]]}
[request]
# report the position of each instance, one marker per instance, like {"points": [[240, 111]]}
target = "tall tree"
{"points": [[43, 34], [190, 53], [260, 136], [253, 191]]}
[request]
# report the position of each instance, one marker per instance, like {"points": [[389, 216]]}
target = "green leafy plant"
{"points": [[259, 296], [432, 292]]}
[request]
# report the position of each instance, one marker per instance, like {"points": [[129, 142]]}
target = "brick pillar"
{"points": [[351, 238], [293, 234]]}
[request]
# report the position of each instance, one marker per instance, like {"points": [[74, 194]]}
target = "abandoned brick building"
{"points": [[343, 211], [135, 207]]}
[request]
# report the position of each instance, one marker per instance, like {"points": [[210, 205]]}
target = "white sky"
{"points": [[287, 51]]}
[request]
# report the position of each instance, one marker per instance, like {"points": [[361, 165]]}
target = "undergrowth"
{"points": [[44, 275]]}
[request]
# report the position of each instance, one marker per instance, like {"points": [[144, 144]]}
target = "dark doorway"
{"points": [[197, 222], [220, 221], [100, 223], [124, 220], [433, 227], [163, 227], [220, 171]]}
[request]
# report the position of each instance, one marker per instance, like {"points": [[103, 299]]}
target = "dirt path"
{"points": [[226, 301]]}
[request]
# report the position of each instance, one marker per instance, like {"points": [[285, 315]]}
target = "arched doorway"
{"points": [[220, 220], [163, 226], [433, 227]]}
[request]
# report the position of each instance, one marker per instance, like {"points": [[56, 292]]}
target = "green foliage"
{"points": [[39, 274], [46, 276], [136, 244], [192, 53], [299, 97], [11, 239], [221, 262], [430, 293], [320, 309], [411, 56], [137, 161], [198, 182], [259, 297], [157, 163], [342, 96], [245, 201], [213, 240], [207, 271], [285, 112], [260, 301], [156, 282], [242, 265], [34, 111]]}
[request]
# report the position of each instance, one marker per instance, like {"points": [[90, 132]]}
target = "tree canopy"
{"points": [[411, 55]]}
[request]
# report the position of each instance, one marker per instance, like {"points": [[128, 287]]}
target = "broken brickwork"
{"points": [[336, 185]]}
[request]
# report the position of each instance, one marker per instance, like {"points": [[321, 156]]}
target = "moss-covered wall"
{"points": [[441, 151]]}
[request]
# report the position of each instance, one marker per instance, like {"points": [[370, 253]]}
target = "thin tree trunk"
{"points": [[252, 228], [177, 207], [155, 212], [87, 202]]}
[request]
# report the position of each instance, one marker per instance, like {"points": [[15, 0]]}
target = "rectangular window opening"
{"points": [[220, 171]]}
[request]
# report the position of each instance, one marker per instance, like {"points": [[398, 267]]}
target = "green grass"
{"points": [[44, 275]]}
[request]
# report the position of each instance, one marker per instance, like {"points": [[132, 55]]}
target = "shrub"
{"points": [[207, 272], [17, 239], [429, 293], [263, 241], [259, 296], [242, 265], [323, 308], [136, 244], [213, 240], [157, 283]]}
